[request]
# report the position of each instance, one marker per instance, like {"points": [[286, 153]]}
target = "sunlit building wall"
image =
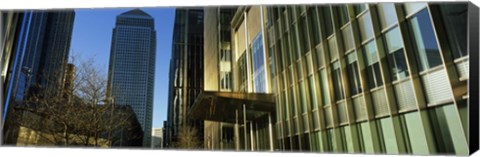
{"points": [[371, 78]]}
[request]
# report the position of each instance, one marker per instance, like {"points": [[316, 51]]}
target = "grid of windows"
{"points": [[355, 62]]}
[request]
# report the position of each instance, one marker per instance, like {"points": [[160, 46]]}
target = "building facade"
{"points": [[186, 72], [157, 138], [132, 66], [377, 78], [35, 55]]}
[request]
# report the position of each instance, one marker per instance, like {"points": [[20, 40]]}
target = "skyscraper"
{"points": [[186, 71], [35, 54], [132, 66]]}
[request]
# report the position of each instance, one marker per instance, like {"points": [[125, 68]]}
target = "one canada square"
{"points": [[132, 66]]}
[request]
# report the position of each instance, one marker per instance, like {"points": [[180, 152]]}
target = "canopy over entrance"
{"points": [[229, 106]]}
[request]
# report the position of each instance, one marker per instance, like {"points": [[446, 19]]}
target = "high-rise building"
{"points": [[351, 78], [186, 72], [132, 66], [35, 54]]}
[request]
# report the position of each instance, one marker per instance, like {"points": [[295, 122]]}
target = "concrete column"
{"points": [[251, 137], [236, 132], [270, 131], [245, 127]]}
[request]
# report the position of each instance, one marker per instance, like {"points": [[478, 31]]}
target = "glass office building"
{"points": [[132, 66], [371, 78], [34, 57], [186, 73], [378, 78]]}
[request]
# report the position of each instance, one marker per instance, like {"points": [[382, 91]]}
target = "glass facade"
{"points": [[352, 81], [186, 72], [132, 66]]}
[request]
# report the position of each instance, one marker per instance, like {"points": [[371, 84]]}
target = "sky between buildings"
{"points": [[92, 36]]}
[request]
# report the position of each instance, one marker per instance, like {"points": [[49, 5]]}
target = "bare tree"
{"points": [[188, 138], [78, 112]]}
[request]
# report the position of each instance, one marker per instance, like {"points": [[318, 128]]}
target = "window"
{"points": [[324, 87], [332, 45], [387, 14], [314, 25], [327, 18], [342, 14], [304, 42], [455, 21], [396, 58], [348, 38], [353, 76], [359, 8], [303, 96], [313, 97], [337, 82], [411, 8], [373, 67], [320, 56], [423, 41], [365, 26], [291, 100]]}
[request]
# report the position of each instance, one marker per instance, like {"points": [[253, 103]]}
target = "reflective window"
{"points": [[337, 82], [324, 87], [455, 21], [353, 76], [313, 97], [292, 100], [396, 58], [342, 14], [359, 8], [332, 45], [423, 40], [387, 14], [411, 8], [348, 38], [303, 97], [327, 18], [303, 30], [320, 56], [373, 67], [314, 25], [365, 26]]}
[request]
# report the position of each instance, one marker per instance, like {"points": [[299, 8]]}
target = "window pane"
{"points": [[387, 14], [411, 8], [348, 38], [398, 65], [360, 8], [393, 40], [303, 32], [324, 86], [309, 64], [303, 97], [320, 56], [313, 97], [342, 13], [337, 81], [314, 25], [353, 77], [370, 52], [327, 18], [365, 26], [332, 45], [455, 20], [292, 101], [423, 38]]}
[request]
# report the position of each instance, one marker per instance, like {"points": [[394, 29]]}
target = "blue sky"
{"points": [[92, 35]]}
